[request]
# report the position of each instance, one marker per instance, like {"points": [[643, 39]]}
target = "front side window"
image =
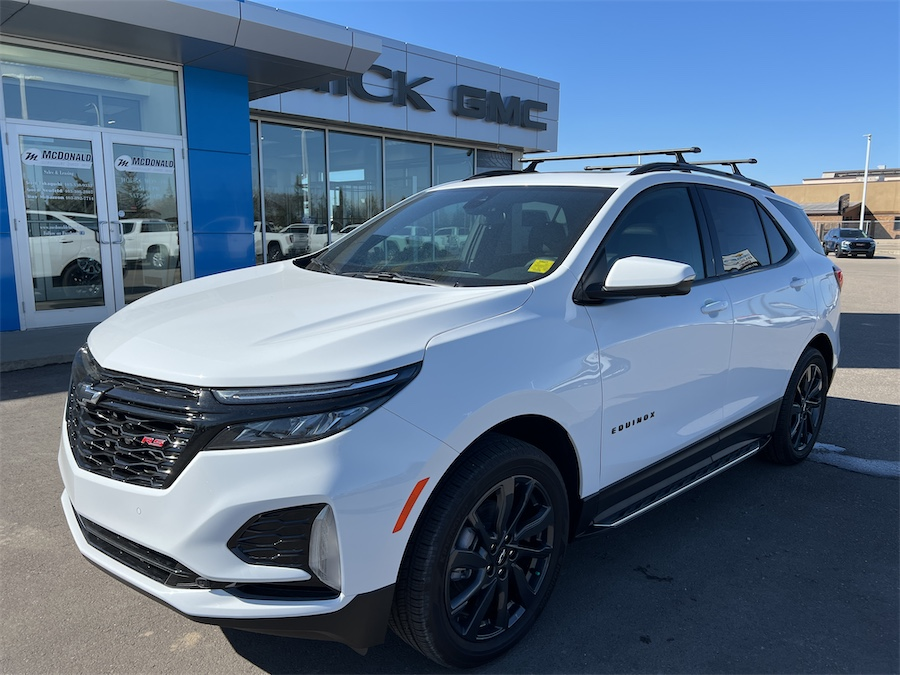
{"points": [[659, 223], [478, 236]]}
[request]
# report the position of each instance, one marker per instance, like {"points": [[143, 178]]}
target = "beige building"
{"points": [[836, 198]]}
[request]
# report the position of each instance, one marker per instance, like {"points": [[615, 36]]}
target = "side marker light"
{"points": [[410, 502]]}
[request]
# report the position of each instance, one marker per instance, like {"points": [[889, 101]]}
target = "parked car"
{"points": [[844, 241], [350, 441], [316, 236], [65, 252], [150, 241], [279, 245]]}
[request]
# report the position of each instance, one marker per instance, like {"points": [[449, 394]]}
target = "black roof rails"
{"points": [[678, 153], [697, 168], [727, 162]]}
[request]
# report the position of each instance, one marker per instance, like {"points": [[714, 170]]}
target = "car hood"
{"points": [[276, 324], [865, 239]]}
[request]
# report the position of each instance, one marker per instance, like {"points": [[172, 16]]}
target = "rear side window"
{"points": [[798, 218], [736, 222]]}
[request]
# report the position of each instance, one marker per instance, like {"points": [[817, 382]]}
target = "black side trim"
{"points": [[633, 493]]}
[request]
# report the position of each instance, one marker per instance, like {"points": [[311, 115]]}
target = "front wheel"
{"points": [[485, 555], [802, 411]]}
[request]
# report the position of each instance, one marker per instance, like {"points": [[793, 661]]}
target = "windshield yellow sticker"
{"points": [[541, 265]]}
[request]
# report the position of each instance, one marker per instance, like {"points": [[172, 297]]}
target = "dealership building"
{"points": [[154, 141]]}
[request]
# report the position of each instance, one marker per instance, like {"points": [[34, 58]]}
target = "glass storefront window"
{"points": [[73, 89], [407, 168], [354, 175], [493, 160], [293, 195], [452, 163]]}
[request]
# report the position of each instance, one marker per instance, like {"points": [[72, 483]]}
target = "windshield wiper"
{"points": [[315, 264], [392, 276]]}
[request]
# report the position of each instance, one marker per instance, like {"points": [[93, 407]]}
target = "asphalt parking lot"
{"points": [[763, 569]]}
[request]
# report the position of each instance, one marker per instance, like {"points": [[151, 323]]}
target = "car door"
{"points": [[772, 292], [664, 360]]}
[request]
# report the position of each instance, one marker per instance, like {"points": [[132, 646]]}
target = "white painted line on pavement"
{"points": [[833, 455]]}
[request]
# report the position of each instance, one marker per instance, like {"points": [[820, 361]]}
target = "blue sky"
{"points": [[795, 84]]}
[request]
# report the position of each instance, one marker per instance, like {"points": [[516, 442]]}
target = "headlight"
{"points": [[299, 414]]}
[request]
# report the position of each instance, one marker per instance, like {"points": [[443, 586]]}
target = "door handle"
{"points": [[102, 228], [714, 306], [797, 283], [116, 226]]}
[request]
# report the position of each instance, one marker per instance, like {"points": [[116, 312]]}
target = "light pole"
{"points": [[862, 206]]}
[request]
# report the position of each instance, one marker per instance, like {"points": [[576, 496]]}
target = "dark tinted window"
{"points": [[778, 247], [735, 219], [659, 223], [798, 218]]}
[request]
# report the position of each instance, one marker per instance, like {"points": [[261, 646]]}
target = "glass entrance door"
{"points": [[146, 199], [96, 222]]}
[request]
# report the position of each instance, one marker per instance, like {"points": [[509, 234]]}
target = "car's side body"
{"points": [[631, 396]]}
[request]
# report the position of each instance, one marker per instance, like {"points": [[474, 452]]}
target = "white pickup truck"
{"points": [[316, 236], [278, 244]]}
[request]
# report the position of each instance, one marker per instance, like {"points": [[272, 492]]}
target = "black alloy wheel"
{"points": [[802, 411], [485, 555]]}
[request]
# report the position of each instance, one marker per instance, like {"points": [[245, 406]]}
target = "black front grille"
{"points": [[148, 562], [134, 430]]}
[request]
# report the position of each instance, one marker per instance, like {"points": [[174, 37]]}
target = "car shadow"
{"points": [[17, 384], [876, 334]]}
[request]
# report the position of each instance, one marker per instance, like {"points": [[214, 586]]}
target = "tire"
{"points": [[838, 253], [802, 411], [870, 255], [82, 278], [158, 258], [468, 555], [275, 252]]}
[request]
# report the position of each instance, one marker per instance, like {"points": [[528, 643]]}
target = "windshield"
{"points": [[853, 234], [478, 236]]}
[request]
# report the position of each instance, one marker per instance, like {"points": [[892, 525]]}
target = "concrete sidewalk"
{"points": [[41, 346]]}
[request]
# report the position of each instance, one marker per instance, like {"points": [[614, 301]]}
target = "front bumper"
{"points": [[192, 521]]}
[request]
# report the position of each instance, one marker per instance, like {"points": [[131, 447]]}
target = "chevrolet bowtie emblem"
{"points": [[91, 393]]}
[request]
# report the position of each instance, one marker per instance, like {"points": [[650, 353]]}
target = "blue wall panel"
{"points": [[9, 308], [218, 139]]}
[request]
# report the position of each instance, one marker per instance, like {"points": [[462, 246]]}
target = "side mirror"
{"points": [[641, 277]]}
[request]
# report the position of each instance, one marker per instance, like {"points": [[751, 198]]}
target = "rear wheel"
{"points": [[802, 411], [158, 257], [485, 555]]}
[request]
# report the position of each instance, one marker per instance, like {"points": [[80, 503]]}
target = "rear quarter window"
{"points": [[801, 224]]}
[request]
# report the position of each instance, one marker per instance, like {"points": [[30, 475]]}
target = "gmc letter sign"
{"points": [[480, 104]]}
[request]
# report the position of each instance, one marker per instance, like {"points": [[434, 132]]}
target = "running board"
{"points": [[673, 490]]}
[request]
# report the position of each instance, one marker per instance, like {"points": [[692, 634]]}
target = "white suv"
{"points": [[328, 446]]}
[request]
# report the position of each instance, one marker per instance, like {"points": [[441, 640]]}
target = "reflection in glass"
{"points": [[146, 195], [407, 168], [72, 89], [293, 179], [452, 163], [493, 160], [354, 179], [61, 215]]}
